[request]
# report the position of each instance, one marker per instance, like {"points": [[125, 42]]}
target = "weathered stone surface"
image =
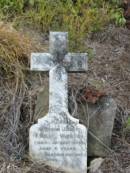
{"points": [[101, 122], [75, 62], [58, 139], [41, 61], [95, 165], [59, 142]]}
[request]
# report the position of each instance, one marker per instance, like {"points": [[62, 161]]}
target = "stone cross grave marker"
{"points": [[58, 139]]}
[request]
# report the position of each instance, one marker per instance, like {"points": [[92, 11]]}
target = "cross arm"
{"points": [[41, 61], [76, 62]]}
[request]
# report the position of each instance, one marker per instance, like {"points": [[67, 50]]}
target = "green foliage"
{"points": [[116, 2], [126, 129], [118, 17], [91, 54], [11, 7], [78, 17], [128, 124]]}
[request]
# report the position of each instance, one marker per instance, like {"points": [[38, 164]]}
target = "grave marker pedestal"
{"points": [[58, 139]]}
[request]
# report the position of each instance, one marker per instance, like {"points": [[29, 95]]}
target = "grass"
{"points": [[79, 17]]}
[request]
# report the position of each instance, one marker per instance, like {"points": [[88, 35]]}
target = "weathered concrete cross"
{"points": [[58, 139]]}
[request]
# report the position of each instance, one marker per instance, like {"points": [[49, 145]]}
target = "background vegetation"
{"points": [[78, 17]]}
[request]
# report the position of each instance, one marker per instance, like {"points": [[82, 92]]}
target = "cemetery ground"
{"points": [[108, 74]]}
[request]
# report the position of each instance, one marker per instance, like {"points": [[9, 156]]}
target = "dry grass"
{"points": [[14, 55], [14, 52], [18, 89]]}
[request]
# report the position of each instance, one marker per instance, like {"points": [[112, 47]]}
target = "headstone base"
{"points": [[61, 142]]}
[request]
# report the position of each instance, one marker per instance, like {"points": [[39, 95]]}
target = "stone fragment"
{"points": [[101, 122], [95, 165]]}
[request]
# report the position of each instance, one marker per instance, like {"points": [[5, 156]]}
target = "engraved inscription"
{"points": [[58, 141]]}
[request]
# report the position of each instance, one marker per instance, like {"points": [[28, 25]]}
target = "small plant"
{"points": [[11, 7], [118, 17], [128, 124], [91, 53]]}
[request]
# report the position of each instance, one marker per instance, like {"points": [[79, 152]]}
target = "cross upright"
{"points": [[58, 62], [58, 139]]}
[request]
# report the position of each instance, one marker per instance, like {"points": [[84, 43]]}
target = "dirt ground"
{"points": [[109, 72]]}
